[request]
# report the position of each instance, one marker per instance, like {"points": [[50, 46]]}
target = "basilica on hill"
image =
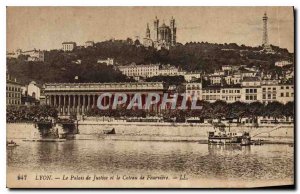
{"points": [[161, 36]]}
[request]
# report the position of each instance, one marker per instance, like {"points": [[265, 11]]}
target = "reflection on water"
{"points": [[138, 157]]}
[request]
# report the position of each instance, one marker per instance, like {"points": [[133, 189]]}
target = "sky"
{"points": [[46, 28]]}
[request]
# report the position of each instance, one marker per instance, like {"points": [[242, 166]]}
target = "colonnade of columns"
{"points": [[67, 104]]}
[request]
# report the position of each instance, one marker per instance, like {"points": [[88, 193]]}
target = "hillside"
{"points": [[60, 67]]}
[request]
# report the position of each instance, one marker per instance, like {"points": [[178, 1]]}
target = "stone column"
{"points": [[69, 105], [54, 98], [59, 104], [109, 100], [74, 103], [104, 101], [83, 104], [78, 104], [89, 102], [94, 101], [64, 104]]}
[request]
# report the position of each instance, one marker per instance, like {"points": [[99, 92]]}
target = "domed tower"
{"points": [[156, 25], [173, 31], [164, 33]]}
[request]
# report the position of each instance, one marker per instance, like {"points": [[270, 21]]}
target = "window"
{"points": [[264, 89], [269, 96], [247, 90], [264, 96], [287, 94], [255, 90], [281, 94]]}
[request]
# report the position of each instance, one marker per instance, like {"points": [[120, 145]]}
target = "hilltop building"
{"points": [[265, 39], [68, 46], [33, 55], [162, 36]]}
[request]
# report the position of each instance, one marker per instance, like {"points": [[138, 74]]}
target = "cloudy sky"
{"points": [[47, 27]]}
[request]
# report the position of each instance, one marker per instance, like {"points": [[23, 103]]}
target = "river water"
{"points": [[266, 162]]}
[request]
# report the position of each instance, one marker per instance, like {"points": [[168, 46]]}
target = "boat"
{"points": [[222, 137], [109, 132], [11, 144]]}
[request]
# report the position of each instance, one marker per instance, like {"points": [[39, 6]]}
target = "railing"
{"points": [[103, 86]]}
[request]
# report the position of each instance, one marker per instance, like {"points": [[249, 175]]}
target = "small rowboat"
{"points": [[11, 144]]}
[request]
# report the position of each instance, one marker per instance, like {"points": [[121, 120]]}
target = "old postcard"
{"points": [[150, 97]]}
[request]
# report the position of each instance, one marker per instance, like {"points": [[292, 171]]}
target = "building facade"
{"points": [[13, 91], [134, 70], [68, 46], [89, 44], [78, 98], [33, 55]]}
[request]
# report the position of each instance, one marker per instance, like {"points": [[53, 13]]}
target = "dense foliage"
{"points": [[216, 110], [61, 66], [29, 113]]}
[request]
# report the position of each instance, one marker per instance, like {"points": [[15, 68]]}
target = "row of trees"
{"points": [[29, 113], [216, 110]]}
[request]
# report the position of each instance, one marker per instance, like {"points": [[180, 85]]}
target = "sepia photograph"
{"points": [[150, 97]]}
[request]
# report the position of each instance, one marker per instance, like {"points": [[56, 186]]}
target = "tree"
{"points": [[274, 109], [220, 109], [254, 109], [288, 110], [237, 110]]}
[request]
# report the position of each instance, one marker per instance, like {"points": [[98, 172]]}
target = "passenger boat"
{"points": [[222, 137]]}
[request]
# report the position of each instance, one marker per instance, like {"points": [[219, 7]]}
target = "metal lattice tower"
{"points": [[265, 30]]}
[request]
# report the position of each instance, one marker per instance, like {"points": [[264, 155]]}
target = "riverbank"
{"points": [[179, 132]]}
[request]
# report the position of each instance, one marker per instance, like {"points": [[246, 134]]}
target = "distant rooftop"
{"points": [[250, 79], [70, 42]]}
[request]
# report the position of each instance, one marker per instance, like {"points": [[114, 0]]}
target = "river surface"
{"points": [[266, 162]]}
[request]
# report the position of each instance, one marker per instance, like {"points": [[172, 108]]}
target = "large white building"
{"points": [[231, 94], [134, 70], [33, 55], [89, 44], [285, 93], [251, 90], [194, 89], [68, 46]]}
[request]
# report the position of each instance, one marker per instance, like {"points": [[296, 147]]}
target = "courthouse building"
{"points": [[78, 98]]}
